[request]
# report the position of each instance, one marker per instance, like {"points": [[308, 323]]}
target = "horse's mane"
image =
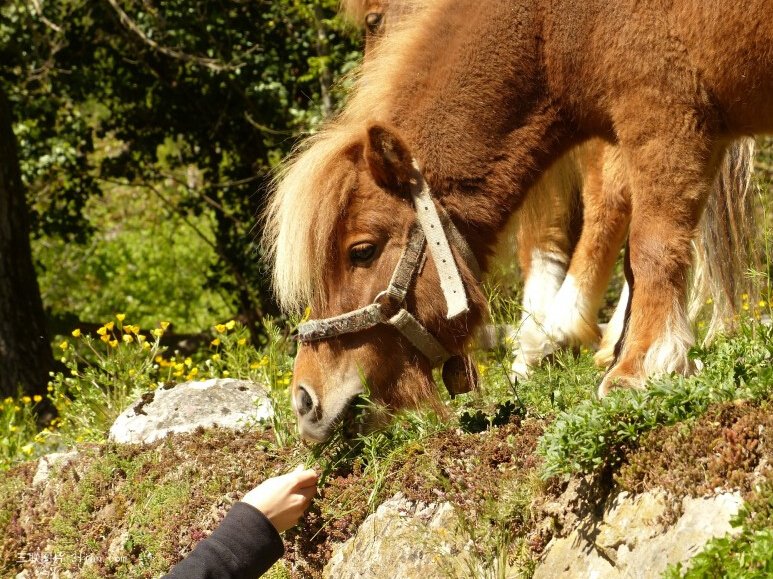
{"points": [[311, 190], [353, 11]]}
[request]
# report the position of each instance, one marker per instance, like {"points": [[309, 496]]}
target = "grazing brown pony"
{"points": [[566, 273], [468, 107]]}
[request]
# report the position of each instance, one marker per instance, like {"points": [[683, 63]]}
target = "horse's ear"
{"points": [[389, 160]]}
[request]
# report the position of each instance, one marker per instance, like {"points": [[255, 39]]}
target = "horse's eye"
{"points": [[362, 254], [373, 21]]}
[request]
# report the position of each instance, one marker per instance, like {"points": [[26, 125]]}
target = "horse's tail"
{"points": [[723, 248]]}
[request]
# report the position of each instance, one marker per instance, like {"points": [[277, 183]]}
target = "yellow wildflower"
{"points": [[226, 373], [8, 400], [26, 399], [141, 339], [745, 306], [762, 303], [744, 296], [120, 317], [220, 328], [159, 359], [102, 331], [127, 338], [188, 362], [105, 338], [164, 325], [158, 332], [76, 333], [254, 365], [215, 342], [37, 398], [192, 373], [215, 357], [110, 326], [230, 324], [113, 343], [145, 345], [242, 341], [63, 345]]}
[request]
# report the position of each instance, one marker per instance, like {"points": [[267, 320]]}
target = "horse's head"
{"points": [[380, 313]]}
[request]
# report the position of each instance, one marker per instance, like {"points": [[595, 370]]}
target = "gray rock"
{"points": [[47, 462], [217, 402], [405, 540], [635, 540]]}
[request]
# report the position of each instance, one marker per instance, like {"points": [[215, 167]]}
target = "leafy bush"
{"points": [[105, 373]]}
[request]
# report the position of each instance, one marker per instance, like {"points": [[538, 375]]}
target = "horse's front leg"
{"points": [[670, 163]]}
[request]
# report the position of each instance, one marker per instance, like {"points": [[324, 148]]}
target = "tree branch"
{"points": [[210, 63]]}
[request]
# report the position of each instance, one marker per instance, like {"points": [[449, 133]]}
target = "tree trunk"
{"points": [[25, 352]]}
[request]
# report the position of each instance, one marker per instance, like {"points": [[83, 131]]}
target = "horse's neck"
{"points": [[471, 108]]}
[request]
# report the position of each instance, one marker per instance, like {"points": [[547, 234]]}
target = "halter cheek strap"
{"points": [[433, 229]]}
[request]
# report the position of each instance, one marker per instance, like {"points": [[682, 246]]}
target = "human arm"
{"points": [[247, 542]]}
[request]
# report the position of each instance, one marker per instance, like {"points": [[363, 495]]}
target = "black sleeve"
{"points": [[244, 546]]}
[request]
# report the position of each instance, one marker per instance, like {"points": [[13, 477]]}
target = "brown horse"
{"points": [[472, 104], [566, 273]]}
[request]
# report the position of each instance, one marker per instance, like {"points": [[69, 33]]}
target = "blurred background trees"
{"points": [[146, 132]]}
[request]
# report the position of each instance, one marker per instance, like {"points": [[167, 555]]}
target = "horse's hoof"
{"points": [[614, 381], [605, 356]]}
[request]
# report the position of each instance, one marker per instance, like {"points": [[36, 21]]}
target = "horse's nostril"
{"points": [[304, 401]]}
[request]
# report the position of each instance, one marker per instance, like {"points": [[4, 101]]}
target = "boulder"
{"points": [[405, 540], [637, 536], [183, 408]]}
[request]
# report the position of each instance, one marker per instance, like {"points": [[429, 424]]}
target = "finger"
{"points": [[307, 492], [305, 478]]}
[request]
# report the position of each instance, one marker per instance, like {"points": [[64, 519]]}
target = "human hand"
{"points": [[284, 499]]}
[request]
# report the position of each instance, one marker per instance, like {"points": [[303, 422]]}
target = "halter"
{"points": [[432, 229]]}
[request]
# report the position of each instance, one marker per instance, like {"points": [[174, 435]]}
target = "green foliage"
{"points": [[747, 554], [595, 434], [20, 437], [204, 100], [142, 258]]}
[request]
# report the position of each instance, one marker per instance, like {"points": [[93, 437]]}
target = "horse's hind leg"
{"points": [[669, 172], [573, 320], [544, 247]]}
